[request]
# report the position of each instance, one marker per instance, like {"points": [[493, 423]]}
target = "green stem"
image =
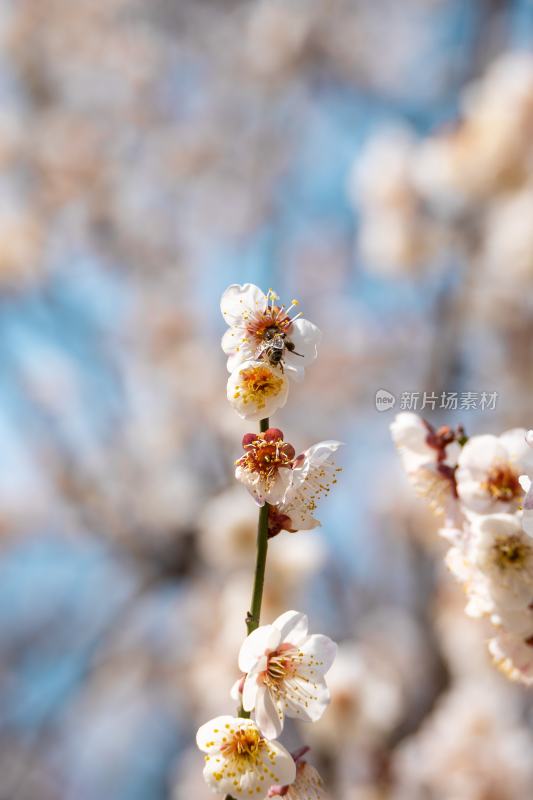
{"points": [[253, 617]]}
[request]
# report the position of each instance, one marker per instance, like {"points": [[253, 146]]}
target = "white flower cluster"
{"points": [[283, 666], [417, 196], [482, 485]]}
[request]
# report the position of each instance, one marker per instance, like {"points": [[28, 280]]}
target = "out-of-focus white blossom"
{"points": [[488, 471], [228, 530], [366, 700], [394, 235], [429, 457], [472, 746]]}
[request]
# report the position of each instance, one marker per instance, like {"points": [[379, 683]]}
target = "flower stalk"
{"points": [[253, 616]]}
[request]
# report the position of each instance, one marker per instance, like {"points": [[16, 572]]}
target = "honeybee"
{"points": [[274, 345]]}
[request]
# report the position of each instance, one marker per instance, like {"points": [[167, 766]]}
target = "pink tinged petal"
{"points": [[264, 639], [238, 300], [268, 717], [292, 626]]}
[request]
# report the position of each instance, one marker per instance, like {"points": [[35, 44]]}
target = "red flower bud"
{"points": [[248, 439], [273, 435]]}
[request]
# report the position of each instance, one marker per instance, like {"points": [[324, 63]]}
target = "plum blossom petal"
{"points": [[313, 474], [239, 302], [305, 338], [293, 626], [264, 639], [267, 716]]}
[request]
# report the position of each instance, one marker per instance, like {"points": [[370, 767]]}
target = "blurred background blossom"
{"points": [[375, 160]]}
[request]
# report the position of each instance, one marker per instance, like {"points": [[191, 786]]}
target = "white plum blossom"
{"points": [[312, 475], [488, 472], [285, 671], [266, 466], [260, 329], [256, 389], [240, 761]]}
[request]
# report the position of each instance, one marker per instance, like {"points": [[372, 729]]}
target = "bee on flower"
{"points": [[262, 330], [240, 761], [285, 670]]}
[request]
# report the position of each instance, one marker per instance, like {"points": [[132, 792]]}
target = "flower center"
{"points": [[246, 744], [268, 323], [510, 552], [257, 383], [280, 666], [265, 455], [502, 483]]}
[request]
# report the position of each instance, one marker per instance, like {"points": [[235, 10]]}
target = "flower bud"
{"points": [[273, 435], [248, 439]]}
